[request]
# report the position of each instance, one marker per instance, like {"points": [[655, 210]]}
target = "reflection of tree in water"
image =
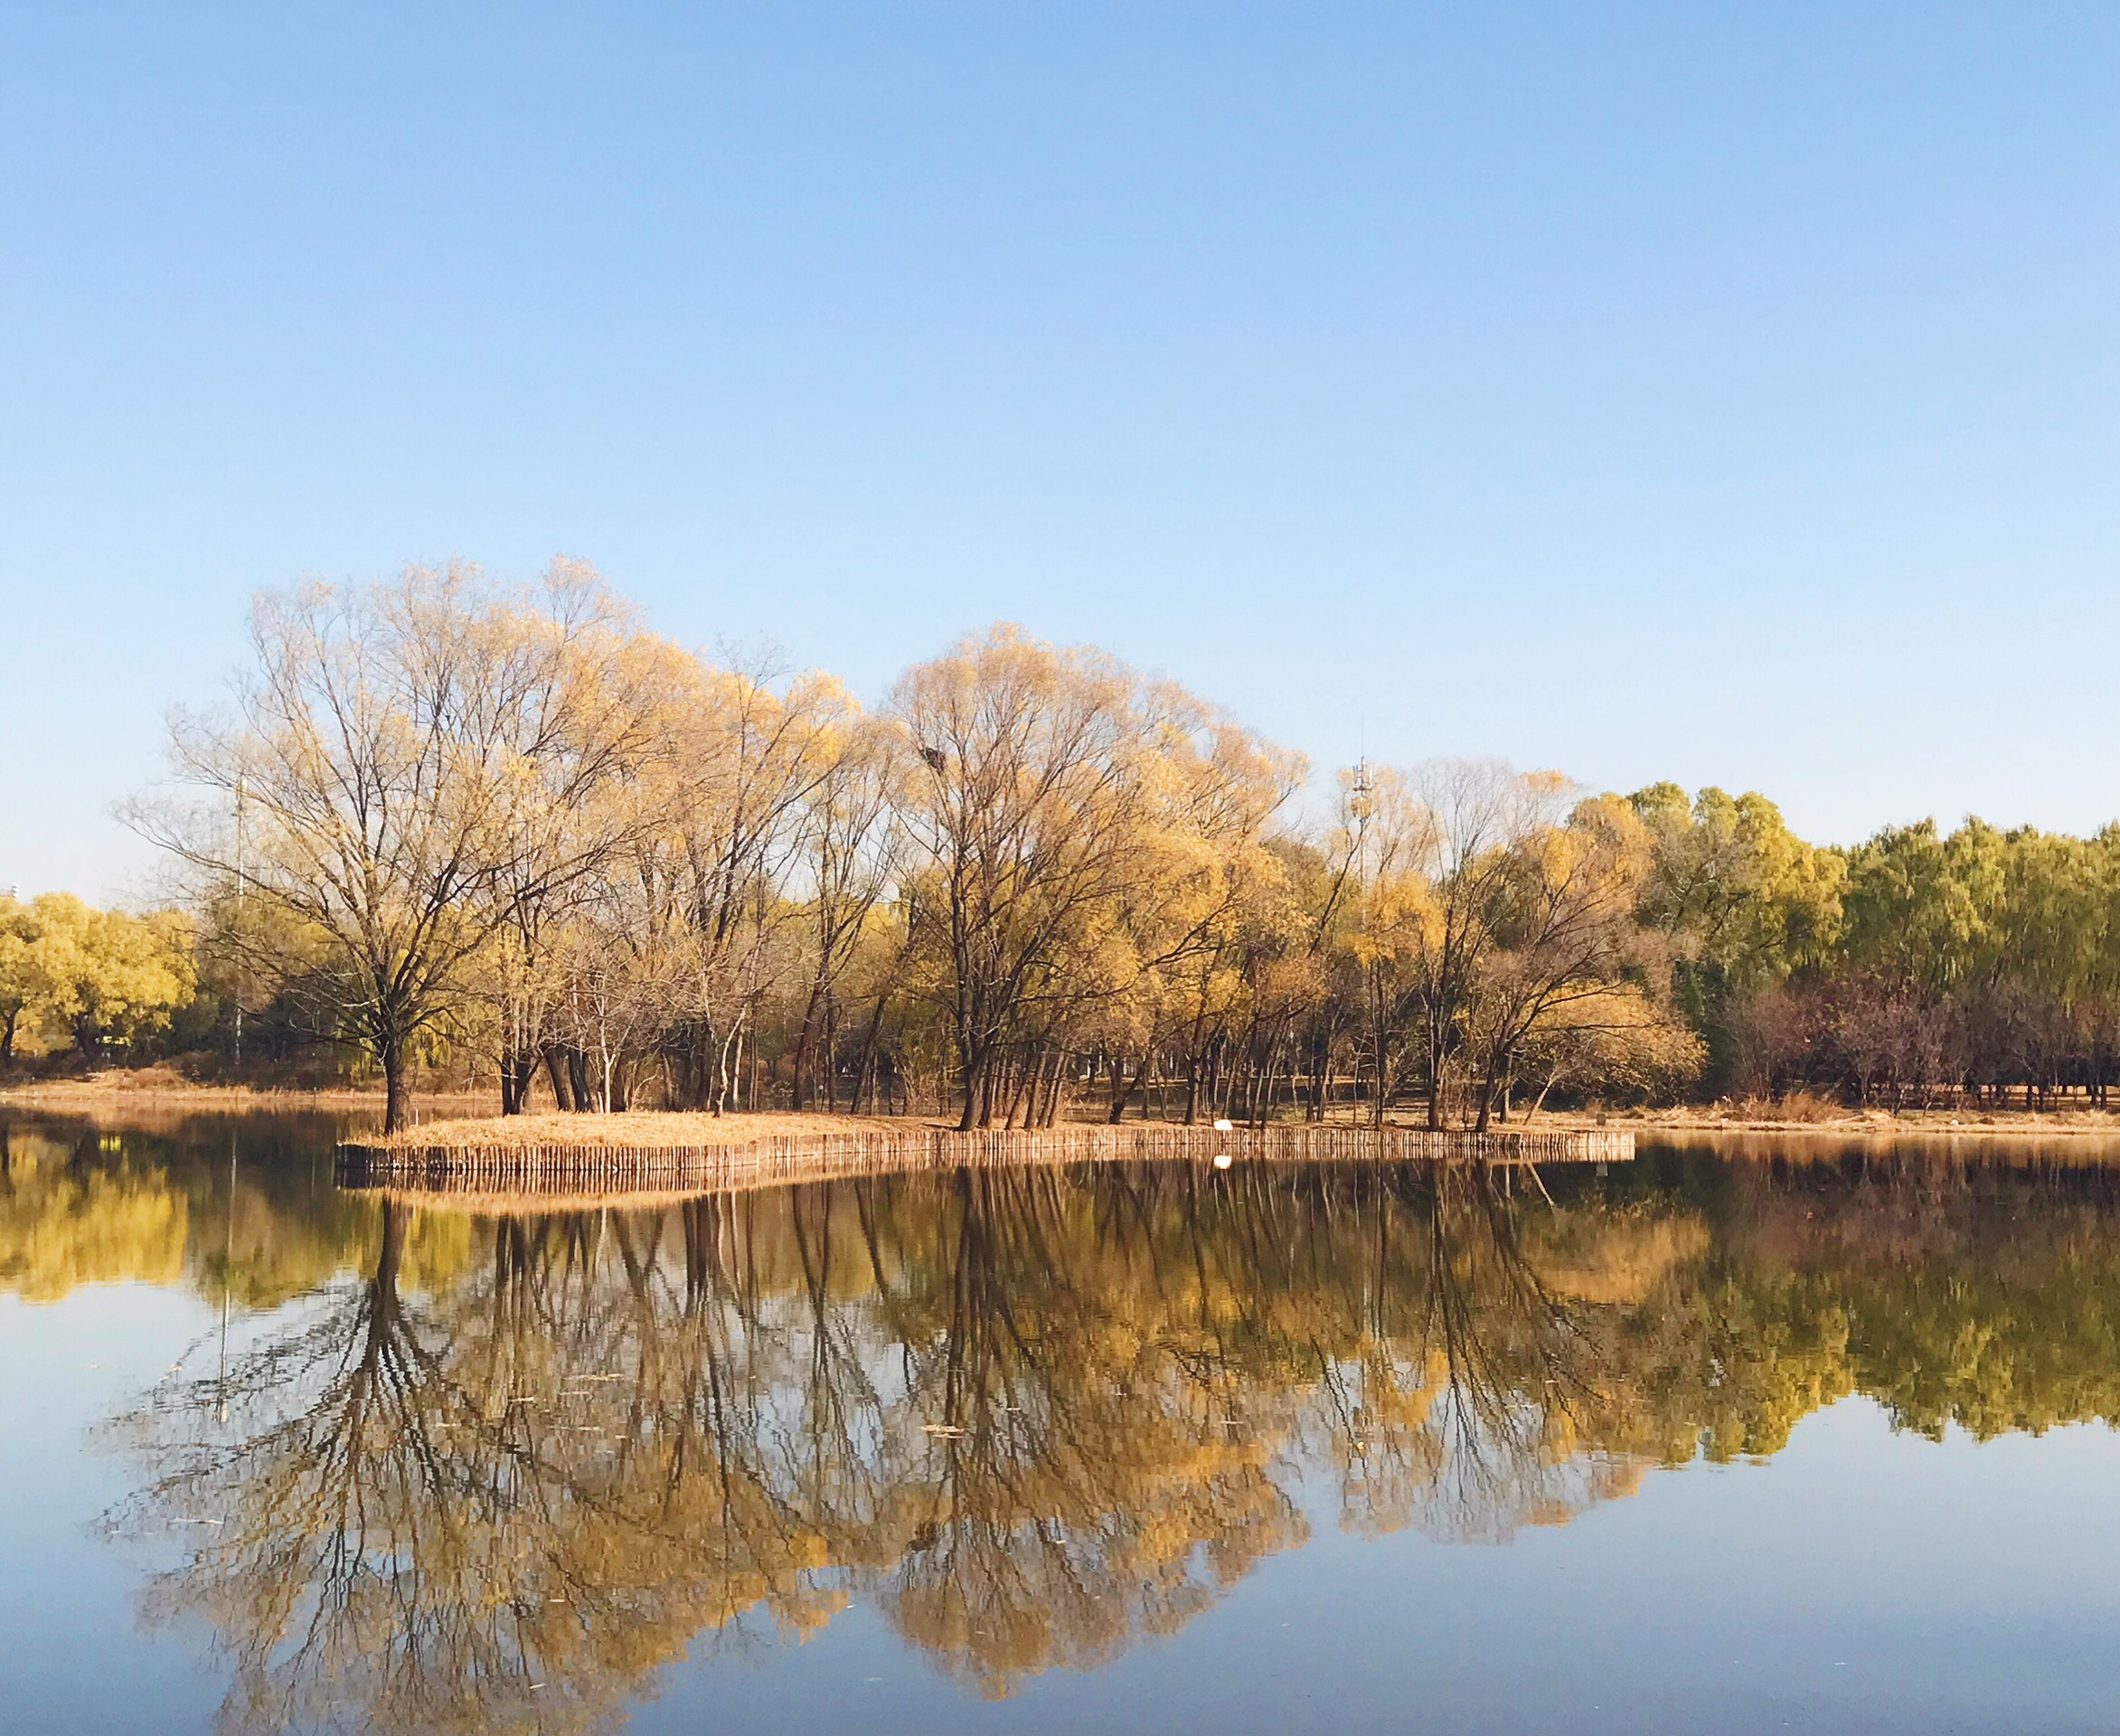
{"points": [[1981, 1294], [64, 1224], [165, 1204], [1084, 1469], [1468, 1402], [445, 1513], [1035, 1417]]}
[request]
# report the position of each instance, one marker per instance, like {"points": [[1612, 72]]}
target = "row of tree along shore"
{"points": [[451, 824]]}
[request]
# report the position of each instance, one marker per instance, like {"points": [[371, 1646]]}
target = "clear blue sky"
{"points": [[1725, 394]]}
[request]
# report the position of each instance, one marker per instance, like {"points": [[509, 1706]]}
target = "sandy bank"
{"points": [[1954, 1124]]}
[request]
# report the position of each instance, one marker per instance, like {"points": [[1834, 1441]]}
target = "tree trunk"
{"points": [[861, 1073], [976, 1085], [1123, 1092], [518, 1073], [990, 1083], [556, 1071], [973, 1061], [1045, 1101], [729, 1087], [830, 1054], [1539, 1102], [1490, 1088], [805, 1044], [1021, 1095], [392, 1056]]}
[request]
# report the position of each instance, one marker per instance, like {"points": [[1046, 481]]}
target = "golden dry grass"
{"points": [[119, 1087], [1813, 1115], [503, 1202], [649, 1130]]}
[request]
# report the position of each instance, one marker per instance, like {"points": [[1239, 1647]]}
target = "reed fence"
{"points": [[586, 1168]]}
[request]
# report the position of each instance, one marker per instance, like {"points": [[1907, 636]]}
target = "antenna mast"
{"points": [[241, 790]]}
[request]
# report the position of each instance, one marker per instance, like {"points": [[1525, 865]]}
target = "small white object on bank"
{"points": [[1221, 1127]]}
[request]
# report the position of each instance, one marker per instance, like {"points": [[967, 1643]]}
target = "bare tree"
{"points": [[386, 780], [853, 851]]}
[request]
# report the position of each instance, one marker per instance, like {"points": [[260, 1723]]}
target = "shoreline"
{"points": [[678, 1133], [452, 1114], [1954, 1124], [636, 1130], [164, 1088], [478, 1166]]}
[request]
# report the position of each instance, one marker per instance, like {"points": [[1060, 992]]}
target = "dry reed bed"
{"points": [[530, 1201], [640, 1130], [586, 1170], [1879, 1124]]}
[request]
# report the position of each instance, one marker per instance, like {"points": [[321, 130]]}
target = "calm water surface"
{"points": [[1795, 1438]]}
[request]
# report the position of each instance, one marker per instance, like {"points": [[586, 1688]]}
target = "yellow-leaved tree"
{"points": [[389, 780], [104, 980]]}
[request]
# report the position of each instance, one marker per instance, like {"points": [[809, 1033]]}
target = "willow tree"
{"points": [[1750, 895], [1739, 901], [1063, 817], [1024, 811], [1213, 904], [616, 699], [27, 983], [1484, 912], [1410, 952], [107, 979], [696, 900], [387, 777], [1565, 932], [852, 846]]}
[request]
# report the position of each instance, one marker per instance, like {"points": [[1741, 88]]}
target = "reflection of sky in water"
{"points": [[1342, 1426]]}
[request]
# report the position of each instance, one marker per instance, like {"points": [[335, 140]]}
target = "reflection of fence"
{"points": [[586, 1169]]}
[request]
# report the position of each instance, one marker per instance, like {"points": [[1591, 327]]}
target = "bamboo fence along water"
{"points": [[588, 1167]]}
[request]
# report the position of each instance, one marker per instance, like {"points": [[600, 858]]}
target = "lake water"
{"points": [[1787, 1438]]}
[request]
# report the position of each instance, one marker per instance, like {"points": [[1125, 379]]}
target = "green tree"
{"points": [[116, 979], [1739, 904], [27, 986]]}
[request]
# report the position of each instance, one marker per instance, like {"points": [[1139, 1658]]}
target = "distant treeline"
{"points": [[102, 983], [1917, 967], [448, 820]]}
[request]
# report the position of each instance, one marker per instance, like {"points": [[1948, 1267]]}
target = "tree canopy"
{"points": [[449, 819]]}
